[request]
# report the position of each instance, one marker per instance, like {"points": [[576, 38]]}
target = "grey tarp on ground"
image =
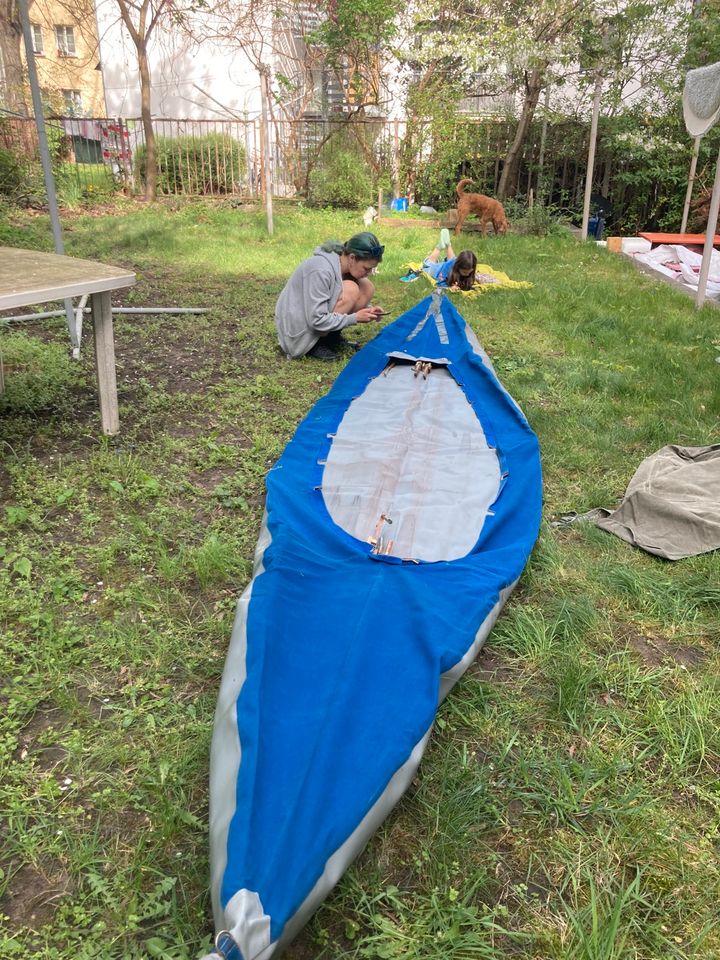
{"points": [[672, 504]]}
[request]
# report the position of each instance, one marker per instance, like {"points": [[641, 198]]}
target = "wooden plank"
{"points": [[394, 222], [105, 362], [448, 219], [682, 238], [29, 277]]}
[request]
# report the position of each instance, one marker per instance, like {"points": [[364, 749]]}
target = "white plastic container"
{"points": [[635, 245]]}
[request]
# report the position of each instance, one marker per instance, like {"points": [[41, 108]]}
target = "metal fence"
{"points": [[227, 157]]}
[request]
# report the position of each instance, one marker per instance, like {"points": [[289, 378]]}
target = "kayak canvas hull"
{"points": [[398, 520]]}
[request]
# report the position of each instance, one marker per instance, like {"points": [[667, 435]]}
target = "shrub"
{"points": [[214, 163], [451, 159], [39, 376], [341, 179], [12, 174], [539, 220]]}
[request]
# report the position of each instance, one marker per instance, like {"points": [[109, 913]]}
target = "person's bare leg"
{"points": [[366, 291], [450, 252], [348, 302], [434, 256]]}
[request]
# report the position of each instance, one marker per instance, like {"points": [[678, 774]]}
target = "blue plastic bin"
{"points": [[596, 225]]}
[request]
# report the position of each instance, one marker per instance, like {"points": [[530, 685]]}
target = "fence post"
{"points": [[265, 148], [540, 186], [691, 184], [125, 158], [396, 160], [591, 154], [709, 237]]}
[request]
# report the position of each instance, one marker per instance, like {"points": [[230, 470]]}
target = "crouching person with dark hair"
{"points": [[327, 293]]}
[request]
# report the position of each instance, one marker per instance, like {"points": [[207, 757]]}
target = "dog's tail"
{"points": [[460, 188]]}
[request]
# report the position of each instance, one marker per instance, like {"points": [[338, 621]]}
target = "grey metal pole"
{"points": [[591, 154], [45, 155], [691, 183], [45, 314], [709, 237]]}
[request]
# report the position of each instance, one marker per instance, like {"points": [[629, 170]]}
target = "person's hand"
{"points": [[368, 314]]}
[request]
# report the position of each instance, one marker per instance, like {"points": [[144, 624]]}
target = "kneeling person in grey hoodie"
{"points": [[326, 293]]}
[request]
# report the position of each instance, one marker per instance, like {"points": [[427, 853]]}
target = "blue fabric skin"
{"points": [[345, 649]]}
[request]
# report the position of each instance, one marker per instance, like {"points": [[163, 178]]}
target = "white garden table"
{"points": [[29, 277]]}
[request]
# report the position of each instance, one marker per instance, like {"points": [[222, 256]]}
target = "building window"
{"points": [[37, 40], [65, 37], [72, 103]]}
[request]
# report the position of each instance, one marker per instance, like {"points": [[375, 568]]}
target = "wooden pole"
{"points": [[543, 137], [105, 362], [396, 160], [591, 154], [709, 237], [691, 183], [265, 147]]}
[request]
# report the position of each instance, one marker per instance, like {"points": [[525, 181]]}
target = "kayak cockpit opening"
{"points": [[411, 455]]}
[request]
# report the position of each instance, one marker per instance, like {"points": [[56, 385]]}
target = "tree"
{"points": [[11, 67], [274, 36], [509, 43], [703, 45], [302, 42], [518, 45], [141, 19]]}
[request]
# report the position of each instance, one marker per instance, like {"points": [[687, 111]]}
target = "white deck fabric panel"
{"points": [[414, 450], [690, 263]]}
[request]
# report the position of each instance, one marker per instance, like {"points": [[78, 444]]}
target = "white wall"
{"points": [[189, 81]]}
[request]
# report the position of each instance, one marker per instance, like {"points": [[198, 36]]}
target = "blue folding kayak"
{"points": [[398, 520]]}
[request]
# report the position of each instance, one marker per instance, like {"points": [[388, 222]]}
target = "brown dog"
{"points": [[487, 209]]}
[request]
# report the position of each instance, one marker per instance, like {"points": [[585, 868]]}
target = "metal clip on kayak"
{"points": [[376, 541], [225, 948]]}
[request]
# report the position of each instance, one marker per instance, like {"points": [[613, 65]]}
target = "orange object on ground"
{"points": [[683, 238]]}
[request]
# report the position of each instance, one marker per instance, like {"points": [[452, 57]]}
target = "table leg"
{"points": [[105, 362]]}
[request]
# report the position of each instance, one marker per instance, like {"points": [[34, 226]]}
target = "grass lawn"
{"points": [[569, 803]]}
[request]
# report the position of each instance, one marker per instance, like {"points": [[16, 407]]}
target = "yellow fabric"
{"points": [[502, 280]]}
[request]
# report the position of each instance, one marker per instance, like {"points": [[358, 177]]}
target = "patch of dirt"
{"points": [[490, 666], [514, 811], [117, 829], [178, 356], [33, 894], [210, 479], [95, 704], [30, 740], [654, 650], [302, 948]]}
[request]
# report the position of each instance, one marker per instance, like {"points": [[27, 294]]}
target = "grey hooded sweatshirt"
{"points": [[303, 312]]}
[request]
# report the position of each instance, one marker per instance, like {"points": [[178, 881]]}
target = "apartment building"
{"points": [[67, 56]]}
